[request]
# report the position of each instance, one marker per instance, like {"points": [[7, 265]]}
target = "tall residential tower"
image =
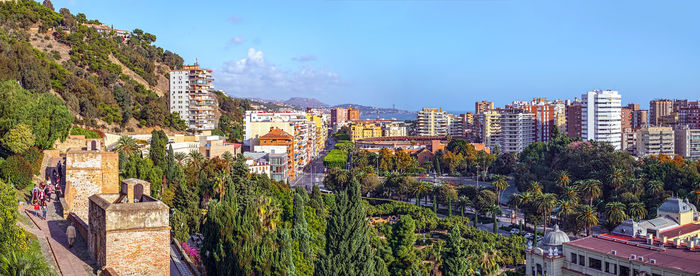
{"points": [[601, 117], [192, 98]]}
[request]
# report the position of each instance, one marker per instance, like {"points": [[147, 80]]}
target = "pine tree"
{"points": [[401, 242], [302, 192], [157, 151], [316, 201], [300, 229], [454, 257], [348, 249]]}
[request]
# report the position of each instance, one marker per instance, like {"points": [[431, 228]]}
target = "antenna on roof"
{"points": [[196, 62]]}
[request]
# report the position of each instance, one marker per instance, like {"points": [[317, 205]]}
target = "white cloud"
{"points": [[254, 76]]}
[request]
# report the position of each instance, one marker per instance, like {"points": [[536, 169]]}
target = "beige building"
{"points": [[393, 129], [687, 142], [658, 109], [490, 127], [130, 231], [664, 246], [365, 129], [654, 141], [482, 106], [629, 141], [517, 130], [432, 122]]}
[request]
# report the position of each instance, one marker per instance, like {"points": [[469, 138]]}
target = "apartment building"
{"points": [[432, 122], [629, 141], [543, 112], [394, 129], [689, 114], [341, 116], [258, 123], [518, 130], [573, 119], [637, 117], [490, 127], [687, 142], [654, 141], [600, 117], [277, 141], [365, 129], [658, 109], [192, 98], [482, 106], [320, 121]]}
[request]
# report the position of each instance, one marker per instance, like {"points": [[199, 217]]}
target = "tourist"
{"points": [[57, 189], [70, 233], [35, 193], [50, 191], [59, 168], [36, 208], [43, 209]]}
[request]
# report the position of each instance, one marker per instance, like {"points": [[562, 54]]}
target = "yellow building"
{"points": [[365, 129], [319, 121]]}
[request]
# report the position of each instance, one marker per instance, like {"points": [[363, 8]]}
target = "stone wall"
{"points": [[131, 238], [89, 173]]}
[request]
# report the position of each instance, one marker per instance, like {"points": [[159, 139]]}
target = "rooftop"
{"points": [[680, 259]]}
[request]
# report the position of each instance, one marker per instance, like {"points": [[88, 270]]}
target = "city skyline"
{"points": [[378, 53]]}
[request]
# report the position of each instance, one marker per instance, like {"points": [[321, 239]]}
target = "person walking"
{"points": [[35, 193], [36, 208], [43, 209], [70, 233]]}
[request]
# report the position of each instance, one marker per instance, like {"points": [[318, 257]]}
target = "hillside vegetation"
{"points": [[105, 81]]}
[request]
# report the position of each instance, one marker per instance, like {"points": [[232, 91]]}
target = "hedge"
{"points": [[335, 159]]}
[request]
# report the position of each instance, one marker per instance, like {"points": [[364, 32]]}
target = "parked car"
{"points": [[514, 231]]}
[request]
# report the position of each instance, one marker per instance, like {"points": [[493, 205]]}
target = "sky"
{"points": [[415, 54]]}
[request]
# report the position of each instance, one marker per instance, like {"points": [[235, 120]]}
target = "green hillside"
{"points": [[106, 81]]}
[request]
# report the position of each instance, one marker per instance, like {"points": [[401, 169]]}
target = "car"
{"points": [[514, 231], [528, 235]]}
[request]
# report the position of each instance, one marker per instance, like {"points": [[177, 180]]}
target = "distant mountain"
{"points": [[303, 103], [372, 111]]}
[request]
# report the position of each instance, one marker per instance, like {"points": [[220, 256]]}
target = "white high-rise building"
{"points": [[432, 122], [601, 118], [192, 98], [517, 130]]}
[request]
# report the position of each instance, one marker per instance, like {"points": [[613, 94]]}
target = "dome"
{"points": [[676, 206], [555, 237]]}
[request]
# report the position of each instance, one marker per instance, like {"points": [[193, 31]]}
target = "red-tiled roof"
{"points": [[681, 230], [277, 133], [680, 259]]}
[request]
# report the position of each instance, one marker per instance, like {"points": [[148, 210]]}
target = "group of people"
{"points": [[41, 194]]}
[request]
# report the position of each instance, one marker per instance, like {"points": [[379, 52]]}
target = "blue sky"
{"points": [[416, 54]]}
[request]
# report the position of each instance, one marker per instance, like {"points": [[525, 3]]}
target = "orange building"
{"points": [[353, 114], [278, 137]]}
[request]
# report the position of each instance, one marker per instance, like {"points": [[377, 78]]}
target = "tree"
{"points": [[495, 210], [499, 184], [637, 210], [545, 205], [563, 179], [615, 213], [404, 160], [462, 203], [300, 231], [316, 201], [157, 152], [370, 183], [401, 242], [587, 218], [590, 190], [420, 189], [446, 193], [348, 251], [454, 255], [127, 145], [16, 262], [18, 139], [655, 187]]}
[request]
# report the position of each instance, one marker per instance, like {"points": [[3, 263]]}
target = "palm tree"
{"points": [[636, 186], [535, 188], [25, 262], [462, 203], [545, 205], [615, 213], [563, 179], [655, 187], [180, 158], [566, 209], [127, 145], [421, 188], [516, 201], [587, 218], [590, 190], [196, 157], [499, 184], [488, 262], [617, 179], [570, 194], [637, 210]]}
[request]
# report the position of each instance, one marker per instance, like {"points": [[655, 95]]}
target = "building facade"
{"points": [[573, 120], [490, 127], [518, 130], [432, 122], [192, 98], [658, 109], [365, 129], [687, 142], [600, 117], [482, 106], [655, 141]]}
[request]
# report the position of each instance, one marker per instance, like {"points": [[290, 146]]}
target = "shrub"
{"points": [[335, 159], [89, 134], [16, 170], [34, 158]]}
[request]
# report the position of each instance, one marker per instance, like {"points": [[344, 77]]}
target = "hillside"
{"points": [[109, 79], [304, 103], [373, 110]]}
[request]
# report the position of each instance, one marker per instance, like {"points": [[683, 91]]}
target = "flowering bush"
{"points": [[193, 254]]}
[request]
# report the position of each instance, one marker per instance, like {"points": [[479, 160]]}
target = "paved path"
{"points": [[177, 265], [54, 231]]}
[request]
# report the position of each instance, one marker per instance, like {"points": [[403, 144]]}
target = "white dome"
{"points": [[555, 237]]}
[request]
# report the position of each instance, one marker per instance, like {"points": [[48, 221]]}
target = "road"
{"points": [[314, 172]]}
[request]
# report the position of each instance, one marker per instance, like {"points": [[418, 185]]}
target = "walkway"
{"points": [[177, 265], [70, 260]]}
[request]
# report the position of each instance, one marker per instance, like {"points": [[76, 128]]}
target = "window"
{"points": [[581, 260], [573, 258], [594, 264], [624, 271], [610, 268]]}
